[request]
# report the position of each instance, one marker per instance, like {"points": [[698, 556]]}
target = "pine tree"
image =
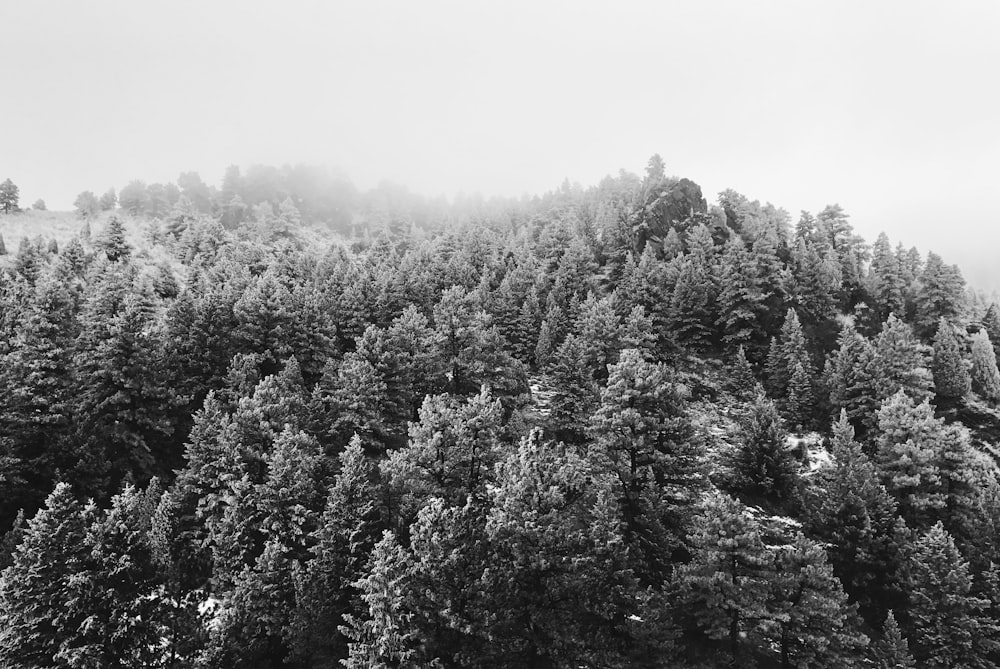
{"points": [[350, 527], [113, 241], [947, 620], [36, 590], [789, 350], [991, 323], [800, 402], [951, 377], [762, 464], [722, 591], [851, 381], [544, 347], [692, 317], [452, 452], [741, 376], [644, 441], [809, 619], [941, 294], [906, 454], [901, 363], [886, 279], [892, 651], [742, 298], [852, 512], [575, 395], [559, 591], [985, 376], [117, 590], [382, 637]]}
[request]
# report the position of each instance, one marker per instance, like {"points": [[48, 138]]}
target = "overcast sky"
{"points": [[891, 109]]}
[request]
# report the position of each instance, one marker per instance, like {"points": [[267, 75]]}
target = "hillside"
{"points": [[614, 426]]}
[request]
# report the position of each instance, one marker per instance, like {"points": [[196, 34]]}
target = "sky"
{"points": [[889, 108]]}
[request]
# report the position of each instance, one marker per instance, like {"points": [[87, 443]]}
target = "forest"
{"points": [[286, 423]]}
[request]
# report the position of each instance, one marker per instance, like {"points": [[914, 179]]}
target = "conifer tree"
{"points": [[36, 621], [644, 441], [382, 637], [762, 464], [854, 514], [951, 377], [809, 619], [722, 591], [561, 590], [350, 527], [886, 279], [113, 242], [789, 350], [985, 376], [741, 376], [800, 402], [948, 626], [575, 395], [544, 347], [901, 363], [892, 651], [742, 298], [991, 323], [851, 381], [117, 590], [818, 282], [906, 457], [452, 452], [941, 294], [692, 315]]}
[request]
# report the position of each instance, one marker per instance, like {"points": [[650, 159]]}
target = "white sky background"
{"points": [[889, 108]]}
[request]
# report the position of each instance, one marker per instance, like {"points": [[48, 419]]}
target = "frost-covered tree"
{"points": [[985, 376], [951, 376]]}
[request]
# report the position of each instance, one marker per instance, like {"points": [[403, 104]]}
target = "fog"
{"points": [[889, 109]]}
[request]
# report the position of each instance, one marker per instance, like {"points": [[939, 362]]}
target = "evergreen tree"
{"points": [[809, 619], [113, 242], [951, 377], [941, 294], [789, 350], [36, 621], [692, 315], [645, 443], [347, 532], [800, 402], [741, 376], [453, 450], [854, 514], [382, 637], [985, 376], [722, 592], [559, 592], [892, 651], [991, 323], [851, 380], [886, 279], [117, 591], [742, 298], [762, 464], [901, 363], [574, 392], [948, 626]]}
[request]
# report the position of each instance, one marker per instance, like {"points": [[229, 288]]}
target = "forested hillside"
{"points": [[281, 423]]}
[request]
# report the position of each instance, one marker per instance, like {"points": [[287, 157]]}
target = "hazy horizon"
{"points": [[887, 109]]}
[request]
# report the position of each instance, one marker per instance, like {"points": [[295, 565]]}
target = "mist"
{"points": [[887, 110]]}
